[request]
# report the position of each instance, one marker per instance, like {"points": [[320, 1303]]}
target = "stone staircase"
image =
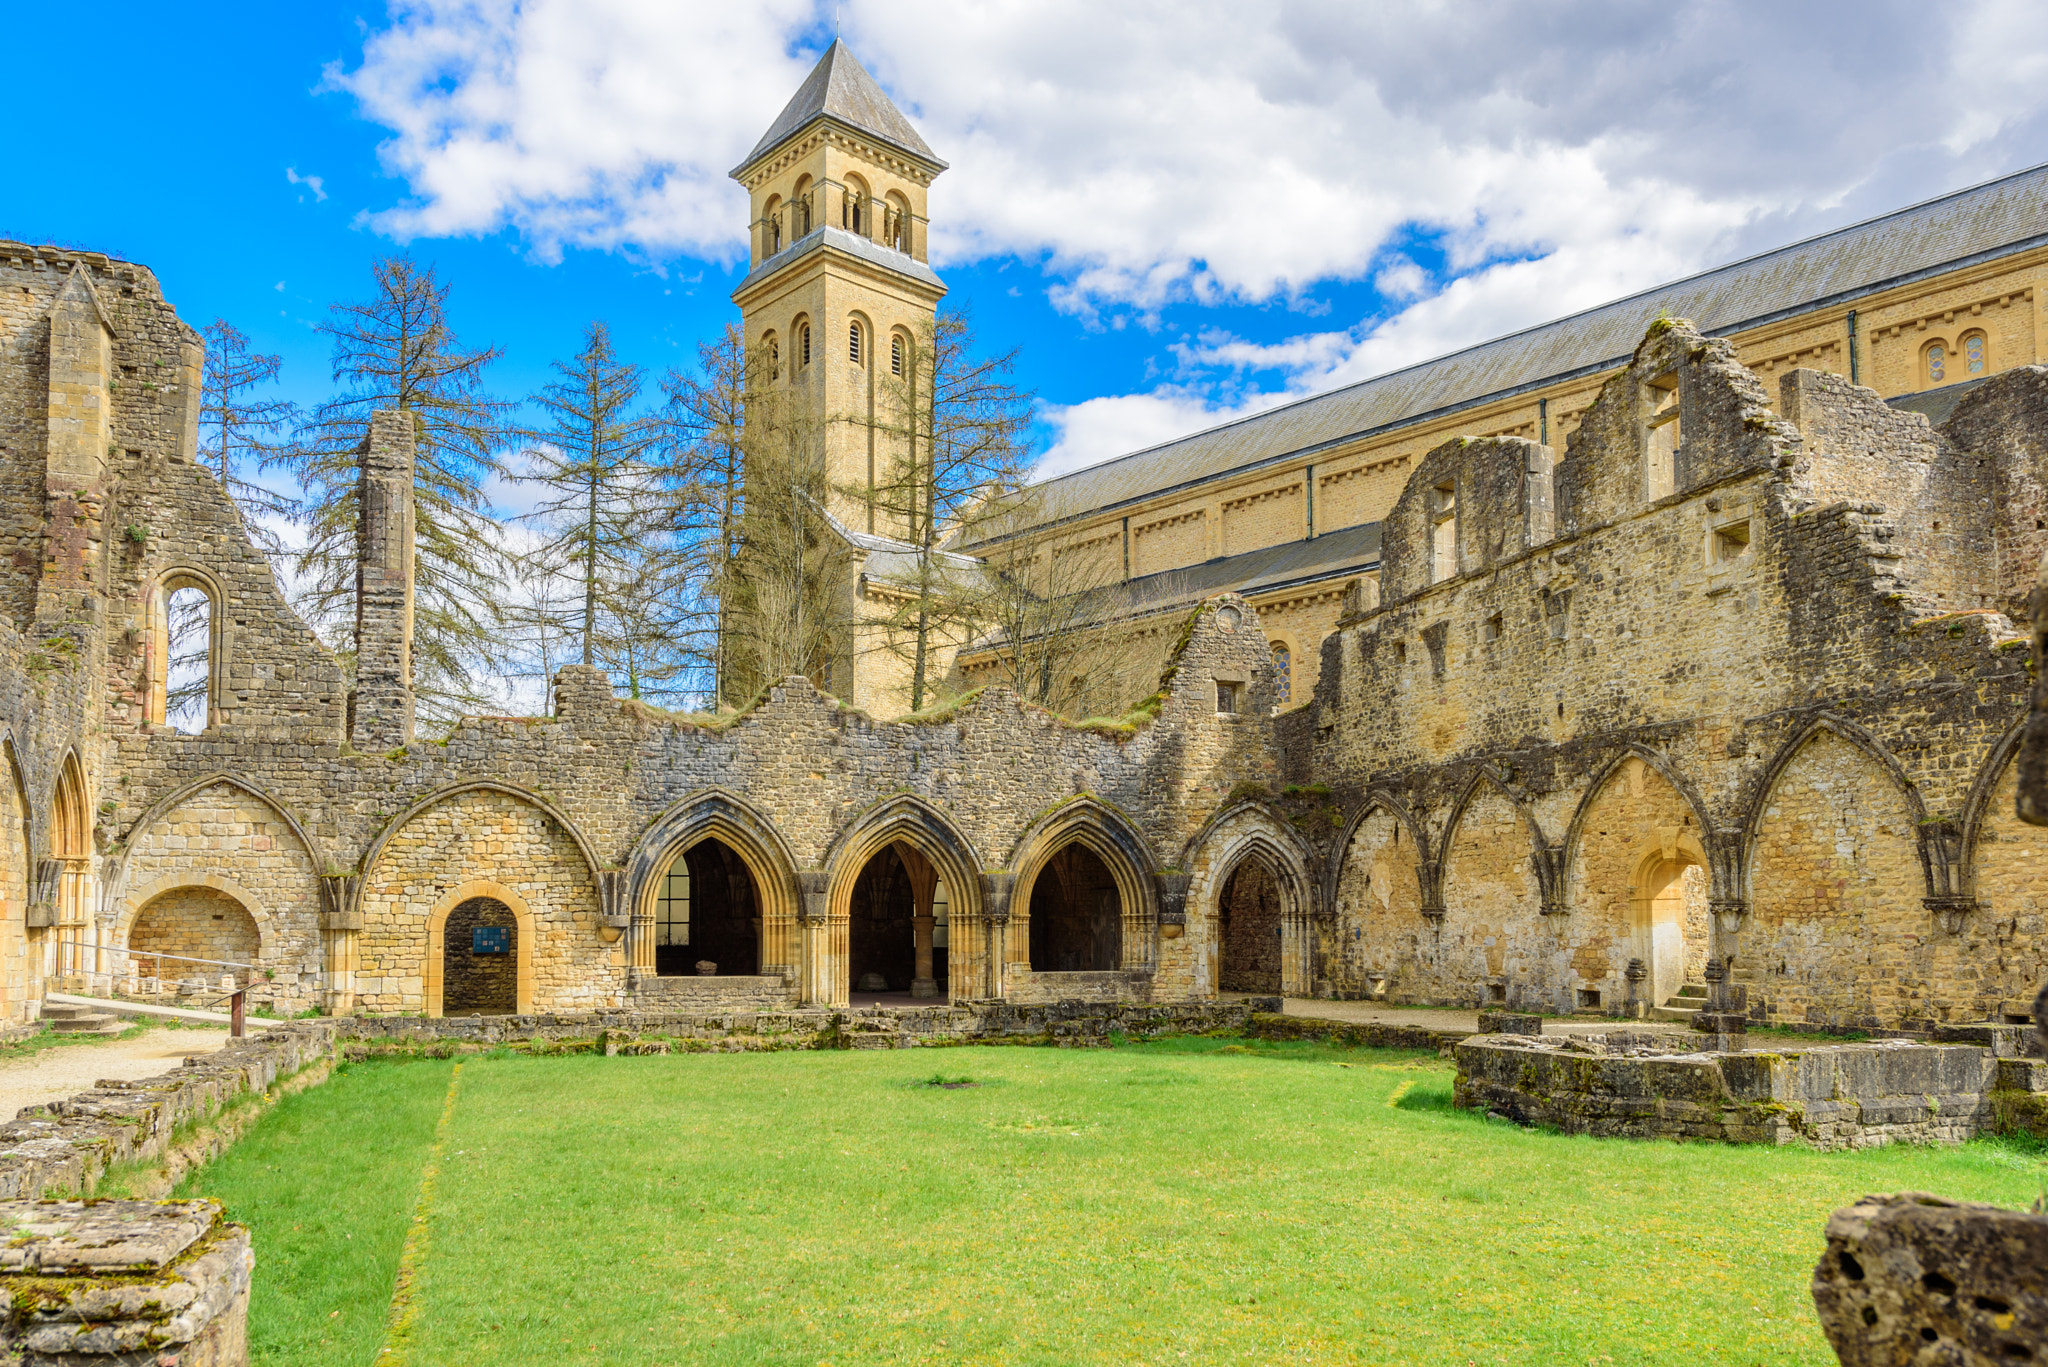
{"points": [[1690, 1001], [81, 1020]]}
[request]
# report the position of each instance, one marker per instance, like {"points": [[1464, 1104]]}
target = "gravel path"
{"points": [[54, 1073]]}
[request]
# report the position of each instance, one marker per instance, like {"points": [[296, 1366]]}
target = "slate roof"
{"points": [[1351, 550], [1981, 223], [840, 88]]}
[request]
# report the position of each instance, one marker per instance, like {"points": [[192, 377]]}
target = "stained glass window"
{"points": [[1937, 356], [1283, 674], [1973, 353]]}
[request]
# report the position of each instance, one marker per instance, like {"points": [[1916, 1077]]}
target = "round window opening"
{"points": [[1229, 617]]}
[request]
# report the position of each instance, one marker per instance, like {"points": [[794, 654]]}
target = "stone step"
{"points": [[1675, 1013], [64, 1011], [90, 1024], [1696, 991]]}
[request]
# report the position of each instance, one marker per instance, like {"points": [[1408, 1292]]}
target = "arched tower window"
{"points": [[853, 346], [1283, 675], [897, 227], [800, 209], [803, 343], [771, 226], [853, 206], [771, 351], [1934, 363], [899, 350], [1976, 349]]}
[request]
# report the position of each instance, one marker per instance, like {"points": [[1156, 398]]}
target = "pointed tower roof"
{"points": [[840, 88]]}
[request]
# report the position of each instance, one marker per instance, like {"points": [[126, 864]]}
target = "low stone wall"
{"points": [[1363, 1034], [66, 1147], [816, 1028], [1101, 987], [733, 992], [1829, 1096]]}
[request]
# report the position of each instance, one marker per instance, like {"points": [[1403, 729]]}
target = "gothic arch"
{"points": [[1486, 773], [1852, 734], [434, 799], [921, 826], [70, 832], [1986, 782], [1374, 800], [1247, 832], [719, 813], [1088, 821], [1659, 764], [163, 806]]}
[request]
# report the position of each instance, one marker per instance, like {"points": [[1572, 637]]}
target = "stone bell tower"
{"points": [[839, 296]]}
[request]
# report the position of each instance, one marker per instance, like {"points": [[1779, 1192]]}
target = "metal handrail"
{"points": [[237, 1000]]}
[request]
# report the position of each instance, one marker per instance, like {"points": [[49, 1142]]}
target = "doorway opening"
{"points": [[480, 959], [897, 926], [706, 912], [1076, 915], [1248, 931]]}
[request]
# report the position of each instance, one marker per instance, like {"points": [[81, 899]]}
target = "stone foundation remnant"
{"points": [[100, 1283]]}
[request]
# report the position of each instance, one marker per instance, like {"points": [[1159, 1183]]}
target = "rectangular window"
{"points": [[1730, 542], [1443, 533], [672, 910], [1226, 698], [1660, 447], [1491, 630], [1556, 614]]}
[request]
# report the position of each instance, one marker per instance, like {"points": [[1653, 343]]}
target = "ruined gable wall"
{"points": [[2001, 423]]}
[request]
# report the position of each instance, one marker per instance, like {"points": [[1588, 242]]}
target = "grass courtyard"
{"points": [[1186, 1201]]}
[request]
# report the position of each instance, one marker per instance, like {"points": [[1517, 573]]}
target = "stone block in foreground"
{"points": [[99, 1283], [1917, 1279]]}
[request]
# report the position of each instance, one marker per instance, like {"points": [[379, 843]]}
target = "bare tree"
{"points": [[707, 413], [239, 432], [958, 425], [397, 350], [787, 598]]}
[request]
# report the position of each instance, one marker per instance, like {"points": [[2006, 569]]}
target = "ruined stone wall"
{"points": [[194, 923], [1815, 723]]}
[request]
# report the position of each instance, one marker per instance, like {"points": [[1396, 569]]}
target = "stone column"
{"points": [[923, 881], [1296, 955], [341, 921], [820, 973], [995, 920], [382, 704]]}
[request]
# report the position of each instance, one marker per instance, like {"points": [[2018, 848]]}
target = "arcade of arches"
{"points": [[707, 917], [1076, 914], [897, 926]]}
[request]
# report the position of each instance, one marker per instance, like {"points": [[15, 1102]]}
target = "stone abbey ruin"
{"points": [[1631, 665], [1718, 704]]}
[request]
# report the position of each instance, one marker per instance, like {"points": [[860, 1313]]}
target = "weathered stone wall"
{"points": [[1810, 718], [194, 923]]}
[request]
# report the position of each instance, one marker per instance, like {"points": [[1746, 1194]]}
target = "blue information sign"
{"points": [[490, 940]]}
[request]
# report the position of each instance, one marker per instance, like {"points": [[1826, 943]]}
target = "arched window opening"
{"points": [[1934, 363], [181, 664], [853, 349], [803, 345], [1443, 532], [1076, 914], [1248, 931], [896, 941], [1660, 449], [772, 226], [896, 353], [707, 916], [897, 227], [800, 209], [480, 952], [772, 350], [1976, 353], [193, 923], [853, 206], [1283, 675]]}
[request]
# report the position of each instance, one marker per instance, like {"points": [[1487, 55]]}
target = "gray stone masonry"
{"points": [[122, 1283], [381, 706]]}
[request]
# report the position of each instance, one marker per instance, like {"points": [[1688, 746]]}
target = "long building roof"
{"points": [[1982, 222]]}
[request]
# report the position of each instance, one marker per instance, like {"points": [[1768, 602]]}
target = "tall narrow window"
{"points": [[672, 910], [853, 342], [772, 226], [773, 350], [1283, 675], [1936, 362], [896, 227], [853, 207], [187, 627], [1443, 532], [800, 209], [941, 913], [803, 344], [1660, 449], [1976, 357], [896, 353]]}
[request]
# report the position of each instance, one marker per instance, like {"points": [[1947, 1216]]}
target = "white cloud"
{"points": [[1157, 151], [314, 183]]}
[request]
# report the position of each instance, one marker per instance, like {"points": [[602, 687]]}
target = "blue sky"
{"points": [[1175, 212]]}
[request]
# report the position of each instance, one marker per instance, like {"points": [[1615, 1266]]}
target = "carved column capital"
{"points": [[338, 908], [813, 896], [1173, 898], [996, 888]]}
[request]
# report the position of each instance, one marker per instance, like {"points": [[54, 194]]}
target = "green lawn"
{"points": [[1190, 1201]]}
